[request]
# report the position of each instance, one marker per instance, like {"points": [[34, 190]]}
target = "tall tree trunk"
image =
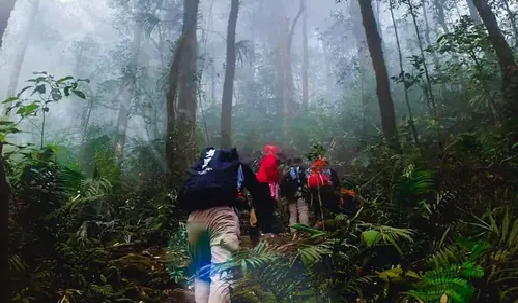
{"points": [[363, 59], [250, 83], [327, 71], [20, 54], [305, 61], [473, 13], [188, 73], [228, 85], [386, 104], [212, 83], [427, 33], [440, 15], [126, 93], [5, 293], [428, 89], [6, 7], [504, 55], [173, 153], [284, 70], [285, 42], [402, 76]]}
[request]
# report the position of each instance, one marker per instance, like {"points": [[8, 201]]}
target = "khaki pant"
{"points": [[299, 210], [213, 237]]}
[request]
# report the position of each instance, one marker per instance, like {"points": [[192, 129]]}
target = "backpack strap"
{"points": [[240, 177]]}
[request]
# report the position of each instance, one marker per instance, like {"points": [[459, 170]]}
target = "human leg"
{"points": [[292, 207], [302, 209], [199, 248], [224, 240]]}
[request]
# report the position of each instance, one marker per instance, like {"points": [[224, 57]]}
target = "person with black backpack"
{"points": [[211, 195], [292, 187]]}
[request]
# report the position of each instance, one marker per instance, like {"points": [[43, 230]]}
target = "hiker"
{"points": [[268, 177], [292, 188], [324, 186], [210, 194], [269, 169], [248, 217]]}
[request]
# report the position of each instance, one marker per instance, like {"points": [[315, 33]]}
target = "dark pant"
{"points": [[266, 220], [324, 202]]}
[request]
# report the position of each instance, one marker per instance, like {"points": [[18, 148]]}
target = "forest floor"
{"points": [[158, 257]]}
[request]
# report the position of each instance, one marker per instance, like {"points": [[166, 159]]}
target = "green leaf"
{"points": [[40, 89], [79, 94], [10, 99], [371, 237], [64, 79], [31, 108], [13, 130], [67, 91]]}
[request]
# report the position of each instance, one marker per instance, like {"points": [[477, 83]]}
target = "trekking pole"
{"points": [[321, 207]]}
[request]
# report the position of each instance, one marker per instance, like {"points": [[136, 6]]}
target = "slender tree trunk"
{"points": [[288, 66], [327, 71], [5, 292], [173, 153], [228, 86], [212, 84], [402, 75], [188, 74], [361, 53], [6, 7], [126, 93], [427, 33], [250, 84], [284, 70], [473, 13], [305, 62], [440, 15], [428, 89], [504, 55], [85, 165], [20, 54], [386, 104]]}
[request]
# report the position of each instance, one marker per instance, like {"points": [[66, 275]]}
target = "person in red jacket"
{"points": [[268, 176], [269, 169]]}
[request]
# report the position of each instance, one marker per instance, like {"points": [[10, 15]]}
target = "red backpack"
{"points": [[318, 175]]}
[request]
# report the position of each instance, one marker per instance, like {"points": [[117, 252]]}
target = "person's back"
{"points": [[292, 185], [268, 177], [210, 194], [269, 167], [324, 185]]}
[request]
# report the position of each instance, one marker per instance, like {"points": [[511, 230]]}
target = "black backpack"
{"points": [[212, 181]]}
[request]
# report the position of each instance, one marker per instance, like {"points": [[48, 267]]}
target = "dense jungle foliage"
{"points": [[89, 210]]}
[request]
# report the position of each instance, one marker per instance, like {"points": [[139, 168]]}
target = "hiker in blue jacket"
{"points": [[211, 195]]}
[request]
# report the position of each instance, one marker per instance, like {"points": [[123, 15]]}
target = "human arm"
{"points": [[260, 194]]}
